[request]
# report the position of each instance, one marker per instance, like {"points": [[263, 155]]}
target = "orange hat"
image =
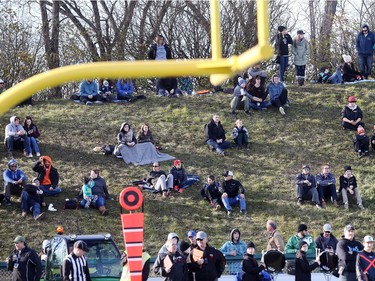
{"points": [[360, 130], [176, 162], [352, 99], [60, 229]]}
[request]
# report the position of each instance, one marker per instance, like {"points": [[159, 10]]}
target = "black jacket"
{"points": [[345, 183], [232, 188], [352, 114], [347, 251], [152, 52], [53, 175], [178, 270], [303, 268], [251, 268], [282, 42], [31, 191], [179, 176], [29, 266], [212, 268], [322, 245], [214, 131]]}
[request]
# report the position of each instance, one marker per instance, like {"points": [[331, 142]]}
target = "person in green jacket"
{"points": [[302, 235]]}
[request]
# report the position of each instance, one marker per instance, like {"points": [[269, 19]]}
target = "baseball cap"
{"points": [[192, 233], [368, 238], [19, 239], [81, 245], [348, 227], [172, 235], [305, 167], [201, 235], [228, 174], [176, 162], [352, 99], [327, 227], [300, 32]]}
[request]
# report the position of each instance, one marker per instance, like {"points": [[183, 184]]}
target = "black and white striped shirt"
{"points": [[75, 268]]}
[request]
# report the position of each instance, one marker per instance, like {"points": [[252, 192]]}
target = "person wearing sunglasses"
{"points": [[14, 180], [326, 240], [364, 44], [302, 234], [159, 180]]}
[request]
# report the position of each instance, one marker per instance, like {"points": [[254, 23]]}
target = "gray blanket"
{"points": [[142, 154]]}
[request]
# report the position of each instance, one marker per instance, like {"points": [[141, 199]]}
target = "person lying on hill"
{"points": [[125, 137], [352, 115]]}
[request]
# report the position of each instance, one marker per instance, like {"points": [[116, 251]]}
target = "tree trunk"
{"points": [[324, 53]]}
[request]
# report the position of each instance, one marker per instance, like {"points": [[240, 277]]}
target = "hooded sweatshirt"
{"points": [[123, 138], [12, 129], [273, 89], [46, 176], [239, 246], [347, 251], [364, 43], [10, 176]]}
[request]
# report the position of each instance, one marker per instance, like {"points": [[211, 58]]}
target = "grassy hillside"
{"points": [[309, 133]]}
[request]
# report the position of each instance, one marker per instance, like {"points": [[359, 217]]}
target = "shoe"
{"points": [[105, 213], [222, 153], [175, 187], [181, 190], [248, 147], [287, 104], [335, 204], [44, 204], [52, 209], [318, 206], [243, 212], [30, 155], [281, 109], [346, 206], [239, 147], [323, 204], [359, 154], [24, 214], [38, 154], [229, 213], [165, 194], [10, 155], [41, 216], [360, 206], [233, 113], [299, 202], [218, 207], [366, 153], [247, 112]]}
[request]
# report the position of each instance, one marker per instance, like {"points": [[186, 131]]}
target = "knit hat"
{"points": [[301, 243], [352, 99], [241, 81], [347, 58], [19, 239], [250, 245], [184, 246], [347, 168], [281, 28], [176, 162], [302, 227], [360, 130], [105, 83]]}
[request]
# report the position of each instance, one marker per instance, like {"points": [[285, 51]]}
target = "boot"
{"points": [[302, 81], [103, 211]]}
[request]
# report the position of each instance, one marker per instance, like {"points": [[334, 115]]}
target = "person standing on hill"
{"points": [[283, 40], [364, 44], [300, 53]]}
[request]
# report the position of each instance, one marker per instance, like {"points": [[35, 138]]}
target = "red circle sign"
{"points": [[131, 198]]}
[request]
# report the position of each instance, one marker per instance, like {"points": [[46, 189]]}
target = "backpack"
{"points": [[205, 131], [70, 204]]}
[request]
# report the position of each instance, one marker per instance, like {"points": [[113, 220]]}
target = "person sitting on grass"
{"points": [[255, 71], [306, 187], [240, 95], [241, 135], [48, 176], [233, 193], [352, 115], [33, 134], [324, 75], [32, 199], [87, 186], [88, 91], [16, 138], [256, 89], [106, 91], [350, 73], [179, 176], [144, 134], [326, 185], [278, 94], [14, 180], [168, 87], [215, 135], [124, 137], [348, 184], [124, 89], [211, 192], [159, 180], [361, 142]]}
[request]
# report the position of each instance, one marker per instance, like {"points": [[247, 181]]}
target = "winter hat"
{"points": [[302, 227], [347, 58], [250, 245], [19, 239], [184, 246], [301, 243], [105, 83], [347, 168], [352, 99], [176, 162], [241, 81], [360, 130], [281, 28]]}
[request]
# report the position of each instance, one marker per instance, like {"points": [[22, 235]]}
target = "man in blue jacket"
{"points": [[14, 180], [365, 44], [278, 94], [88, 91]]}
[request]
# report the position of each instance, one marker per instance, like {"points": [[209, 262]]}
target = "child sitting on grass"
{"points": [[87, 186], [361, 142], [241, 135]]}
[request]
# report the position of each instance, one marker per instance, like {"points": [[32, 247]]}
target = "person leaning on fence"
{"points": [[365, 263]]}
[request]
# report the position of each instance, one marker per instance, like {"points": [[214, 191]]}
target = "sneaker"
{"points": [[318, 206], [299, 202], [229, 213], [233, 113], [335, 204], [366, 153], [38, 154], [281, 109], [24, 214], [222, 153], [105, 213], [30, 155], [359, 154], [41, 216], [247, 112], [243, 211], [165, 194], [218, 207], [53, 209], [248, 147], [176, 188], [360, 206], [346, 206], [181, 190], [323, 204]]}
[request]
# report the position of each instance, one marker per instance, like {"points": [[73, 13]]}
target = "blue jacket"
{"points": [[365, 44], [124, 89], [325, 181], [87, 88], [274, 90], [229, 246], [10, 176]]}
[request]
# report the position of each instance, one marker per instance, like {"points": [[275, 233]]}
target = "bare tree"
{"points": [[324, 49]]}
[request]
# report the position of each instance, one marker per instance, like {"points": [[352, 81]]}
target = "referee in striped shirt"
{"points": [[75, 267]]}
